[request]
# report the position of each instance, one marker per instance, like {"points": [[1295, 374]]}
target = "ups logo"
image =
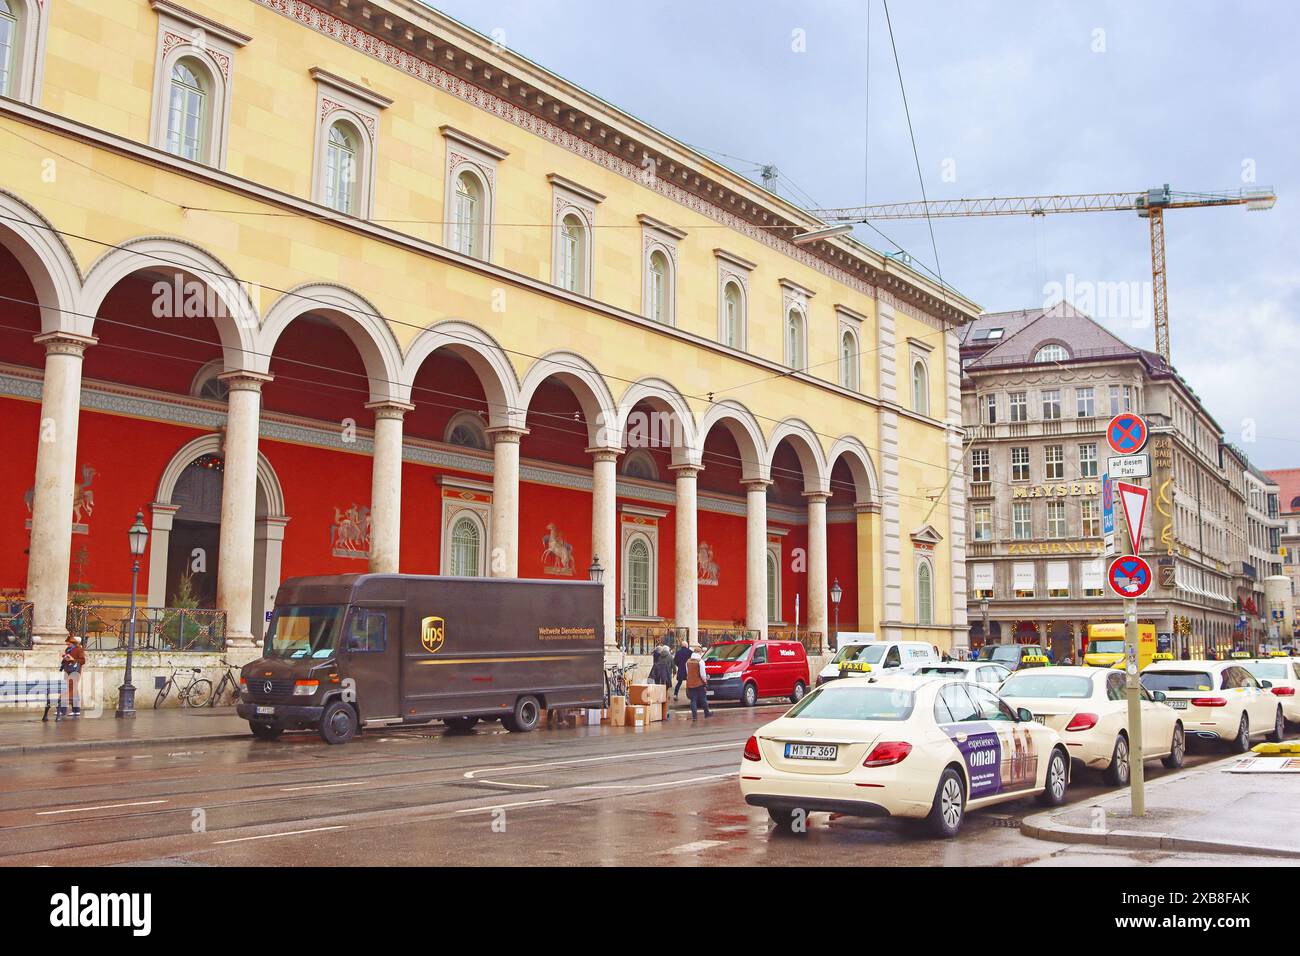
{"points": [[432, 633]]}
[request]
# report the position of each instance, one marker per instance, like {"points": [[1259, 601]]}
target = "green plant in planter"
{"points": [[180, 630]]}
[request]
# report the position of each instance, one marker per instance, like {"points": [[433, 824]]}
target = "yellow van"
{"points": [[1106, 644]]}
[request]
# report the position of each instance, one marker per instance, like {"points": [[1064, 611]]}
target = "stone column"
{"points": [[867, 517], [503, 561], [50, 552], [604, 531], [159, 547], [386, 487], [817, 585], [688, 553], [239, 504], [756, 597]]}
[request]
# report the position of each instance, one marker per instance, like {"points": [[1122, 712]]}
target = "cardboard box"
{"points": [[596, 716], [636, 693], [655, 712], [617, 710], [636, 715], [655, 694]]}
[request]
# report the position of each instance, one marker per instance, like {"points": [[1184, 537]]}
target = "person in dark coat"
{"points": [[679, 664], [661, 672]]}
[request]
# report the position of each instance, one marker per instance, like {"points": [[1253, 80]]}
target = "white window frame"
{"points": [[795, 298], [650, 539], [1051, 352], [921, 395], [924, 613], [1055, 404], [1090, 516], [981, 460], [991, 409], [473, 421], [1018, 401], [1085, 460], [340, 101], [571, 200], [478, 506], [982, 523], [27, 50], [1053, 466], [850, 323], [794, 336], [1058, 507], [1018, 508], [476, 521], [472, 156], [1027, 463], [659, 238], [1085, 396], [184, 35], [734, 272]]}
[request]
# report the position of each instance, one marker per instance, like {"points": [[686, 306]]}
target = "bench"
{"points": [[36, 691]]}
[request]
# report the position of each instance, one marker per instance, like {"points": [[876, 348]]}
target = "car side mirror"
{"points": [[1266, 683], [1158, 696], [1025, 715]]}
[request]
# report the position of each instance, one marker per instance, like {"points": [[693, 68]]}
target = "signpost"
{"points": [[1108, 513], [1129, 466]]}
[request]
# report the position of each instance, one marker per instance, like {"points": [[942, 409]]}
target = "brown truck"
{"points": [[349, 651]]}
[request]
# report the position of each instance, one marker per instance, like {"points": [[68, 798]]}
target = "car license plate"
{"points": [[811, 751], [1176, 704], [269, 711]]}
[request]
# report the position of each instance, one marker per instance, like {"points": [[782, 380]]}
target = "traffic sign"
{"points": [[1108, 513], [1129, 576], [1134, 498], [1126, 433], [1129, 466]]}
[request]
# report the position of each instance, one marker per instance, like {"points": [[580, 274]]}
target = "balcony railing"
{"points": [[104, 627], [642, 639], [16, 625]]}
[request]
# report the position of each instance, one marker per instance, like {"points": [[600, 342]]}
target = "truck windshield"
{"points": [[726, 652], [870, 653], [1106, 647], [306, 631]]}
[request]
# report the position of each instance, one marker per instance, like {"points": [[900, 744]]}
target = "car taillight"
{"points": [[1208, 702], [751, 749], [1082, 722], [1284, 691], [887, 754]]}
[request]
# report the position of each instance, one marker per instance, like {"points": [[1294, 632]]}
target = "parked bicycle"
{"points": [[230, 679], [197, 693], [617, 679]]}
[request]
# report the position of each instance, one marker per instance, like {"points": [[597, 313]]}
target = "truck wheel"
{"points": [[526, 714], [749, 696], [265, 731], [338, 724], [460, 724]]}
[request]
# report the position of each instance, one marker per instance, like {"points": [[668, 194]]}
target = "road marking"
{"points": [[268, 836], [471, 774], [647, 786], [502, 783], [324, 786], [101, 759], [103, 806], [697, 846], [504, 806]]}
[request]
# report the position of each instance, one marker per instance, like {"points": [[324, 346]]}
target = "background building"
{"points": [[1288, 488]]}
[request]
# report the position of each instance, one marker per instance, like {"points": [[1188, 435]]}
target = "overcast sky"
{"points": [[1007, 98]]}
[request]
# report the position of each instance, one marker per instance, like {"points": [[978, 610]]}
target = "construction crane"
{"points": [[1149, 204]]}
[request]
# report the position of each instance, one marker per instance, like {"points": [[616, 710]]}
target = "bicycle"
{"points": [[617, 679], [229, 679], [196, 693]]}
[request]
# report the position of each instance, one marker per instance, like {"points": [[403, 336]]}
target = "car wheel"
{"points": [[1177, 749], [460, 724], [525, 717], [1117, 773], [793, 820], [1279, 728], [1241, 743], [1058, 779], [265, 731], [338, 723], [749, 696], [949, 808], [799, 691]]}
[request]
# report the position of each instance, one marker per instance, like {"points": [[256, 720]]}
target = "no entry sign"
{"points": [[1129, 576], [1126, 434]]}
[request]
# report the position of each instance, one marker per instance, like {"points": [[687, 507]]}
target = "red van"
{"points": [[748, 671]]}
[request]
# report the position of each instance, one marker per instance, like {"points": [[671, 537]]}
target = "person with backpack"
{"points": [[697, 683]]}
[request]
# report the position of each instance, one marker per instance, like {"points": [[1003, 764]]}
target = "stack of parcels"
{"points": [[645, 704]]}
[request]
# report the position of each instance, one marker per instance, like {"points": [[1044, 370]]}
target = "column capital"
{"points": [[65, 343], [389, 408], [240, 380], [686, 471], [506, 434], [756, 484], [866, 507], [817, 497], [604, 454]]}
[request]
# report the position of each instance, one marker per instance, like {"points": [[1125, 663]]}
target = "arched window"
{"points": [[773, 588], [8, 48], [466, 547], [467, 216], [920, 388], [659, 287], [924, 594], [573, 254], [637, 570], [1052, 353], [465, 429], [342, 153], [849, 360], [207, 381], [187, 111], [794, 339], [731, 316], [639, 464]]}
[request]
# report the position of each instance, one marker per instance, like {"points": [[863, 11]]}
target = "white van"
{"points": [[869, 656]]}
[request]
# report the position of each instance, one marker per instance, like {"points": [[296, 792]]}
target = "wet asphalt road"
{"points": [[422, 796]]}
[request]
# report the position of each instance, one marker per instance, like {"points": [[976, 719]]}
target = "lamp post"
{"points": [[595, 572], [138, 536], [836, 593], [984, 613]]}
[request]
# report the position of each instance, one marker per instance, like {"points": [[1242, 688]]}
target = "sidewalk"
{"points": [[21, 731], [1206, 809]]}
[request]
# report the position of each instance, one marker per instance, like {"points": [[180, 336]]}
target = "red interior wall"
{"points": [[318, 374], [22, 423], [570, 511], [724, 604], [842, 563], [20, 320]]}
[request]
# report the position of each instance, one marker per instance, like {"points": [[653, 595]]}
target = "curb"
{"points": [[1042, 826], [11, 749]]}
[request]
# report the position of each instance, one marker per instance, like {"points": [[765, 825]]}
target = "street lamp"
{"points": [[836, 593], [984, 613], [138, 536], [595, 572]]}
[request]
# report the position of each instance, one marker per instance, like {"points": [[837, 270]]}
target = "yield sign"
{"points": [[1126, 433], [1133, 499], [1129, 576]]}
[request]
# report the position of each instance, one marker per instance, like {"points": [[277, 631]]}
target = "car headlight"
{"points": [[305, 688]]}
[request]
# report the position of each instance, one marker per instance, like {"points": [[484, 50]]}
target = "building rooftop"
{"points": [[1288, 483]]}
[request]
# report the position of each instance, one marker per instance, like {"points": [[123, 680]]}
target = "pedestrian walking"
{"points": [[70, 666], [697, 683], [679, 665], [661, 672]]}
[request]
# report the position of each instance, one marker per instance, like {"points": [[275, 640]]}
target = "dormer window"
{"points": [[1052, 353]]}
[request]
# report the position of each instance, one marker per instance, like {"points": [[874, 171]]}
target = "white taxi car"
{"points": [[927, 748], [1218, 700], [1088, 706], [985, 673], [1284, 674]]}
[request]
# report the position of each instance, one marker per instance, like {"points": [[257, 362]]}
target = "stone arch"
{"points": [[866, 484], [808, 447], [235, 316], [664, 397], [744, 428], [359, 320], [48, 262], [270, 492], [484, 355], [587, 385]]}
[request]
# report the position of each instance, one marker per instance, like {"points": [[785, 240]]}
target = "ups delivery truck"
{"points": [[361, 650]]}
